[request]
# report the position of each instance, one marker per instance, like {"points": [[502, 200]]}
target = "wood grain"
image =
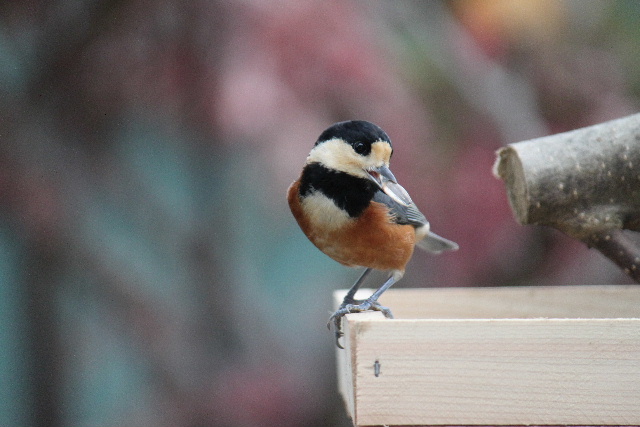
{"points": [[496, 356]]}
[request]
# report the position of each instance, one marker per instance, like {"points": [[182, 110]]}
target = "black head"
{"points": [[359, 134]]}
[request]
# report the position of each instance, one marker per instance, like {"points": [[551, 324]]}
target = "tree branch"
{"points": [[620, 249], [585, 183]]}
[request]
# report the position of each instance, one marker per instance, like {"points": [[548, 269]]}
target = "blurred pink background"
{"points": [[151, 273]]}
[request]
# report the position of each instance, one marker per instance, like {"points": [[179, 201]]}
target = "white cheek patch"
{"points": [[338, 155], [322, 212]]}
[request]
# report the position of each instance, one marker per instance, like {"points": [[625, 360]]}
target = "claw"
{"points": [[344, 309], [337, 321], [339, 335]]}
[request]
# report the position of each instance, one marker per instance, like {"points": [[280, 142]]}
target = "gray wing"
{"points": [[404, 211], [401, 207]]}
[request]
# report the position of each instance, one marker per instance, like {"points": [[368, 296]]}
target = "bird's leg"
{"points": [[374, 297], [348, 300], [370, 303], [349, 297]]}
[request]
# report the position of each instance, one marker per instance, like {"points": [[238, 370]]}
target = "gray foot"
{"points": [[366, 305]]}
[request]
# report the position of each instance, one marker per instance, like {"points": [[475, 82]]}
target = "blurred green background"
{"points": [[151, 273]]}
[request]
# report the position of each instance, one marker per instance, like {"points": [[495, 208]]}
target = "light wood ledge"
{"points": [[494, 356]]}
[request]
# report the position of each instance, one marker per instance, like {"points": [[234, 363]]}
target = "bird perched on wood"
{"points": [[349, 204]]}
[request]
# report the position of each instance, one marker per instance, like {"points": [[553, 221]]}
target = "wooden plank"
{"points": [[607, 301], [577, 365]]}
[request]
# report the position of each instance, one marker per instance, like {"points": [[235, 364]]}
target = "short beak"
{"points": [[383, 177]]}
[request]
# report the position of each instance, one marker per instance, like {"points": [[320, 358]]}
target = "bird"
{"points": [[350, 206]]}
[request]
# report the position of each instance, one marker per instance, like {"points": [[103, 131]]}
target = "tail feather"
{"points": [[436, 244]]}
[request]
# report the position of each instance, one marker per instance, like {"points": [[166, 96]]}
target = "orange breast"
{"points": [[371, 240]]}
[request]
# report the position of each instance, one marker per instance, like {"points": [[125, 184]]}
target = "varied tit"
{"points": [[349, 204]]}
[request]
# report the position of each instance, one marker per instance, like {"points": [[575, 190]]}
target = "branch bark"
{"points": [[585, 183]]}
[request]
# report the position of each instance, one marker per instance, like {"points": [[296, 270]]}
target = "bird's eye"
{"points": [[360, 147]]}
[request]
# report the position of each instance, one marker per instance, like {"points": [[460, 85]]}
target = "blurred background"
{"points": [[151, 273]]}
